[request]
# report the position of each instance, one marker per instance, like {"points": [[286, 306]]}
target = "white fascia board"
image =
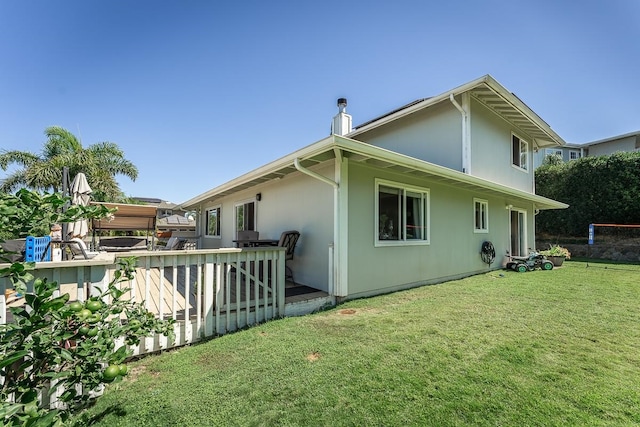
{"points": [[419, 106], [487, 80], [272, 167], [360, 148], [364, 149], [523, 109], [612, 138]]}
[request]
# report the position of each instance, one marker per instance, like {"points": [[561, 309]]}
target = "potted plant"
{"points": [[556, 254]]}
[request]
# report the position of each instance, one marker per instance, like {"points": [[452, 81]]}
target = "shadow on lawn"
{"points": [[86, 420]]}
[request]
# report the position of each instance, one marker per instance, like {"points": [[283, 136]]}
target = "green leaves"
{"points": [[28, 213], [603, 189], [51, 340], [100, 162]]}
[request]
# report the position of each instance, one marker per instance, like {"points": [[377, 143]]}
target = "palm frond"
{"points": [[59, 141], [22, 158]]}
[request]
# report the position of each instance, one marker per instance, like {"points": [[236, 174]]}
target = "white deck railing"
{"points": [[207, 292]]}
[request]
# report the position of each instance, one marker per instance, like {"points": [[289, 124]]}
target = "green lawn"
{"points": [[513, 349]]}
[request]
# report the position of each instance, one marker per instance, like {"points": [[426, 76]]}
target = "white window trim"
{"points": [[484, 203], [576, 152], [526, 147], [206, 219], [235, 213], [405, 188]]}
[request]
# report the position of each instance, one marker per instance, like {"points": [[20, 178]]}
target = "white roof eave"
{"points": [[366, 152], [553, 139]]}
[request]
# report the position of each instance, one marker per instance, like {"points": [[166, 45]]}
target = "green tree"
{"points": [[100, 162]]}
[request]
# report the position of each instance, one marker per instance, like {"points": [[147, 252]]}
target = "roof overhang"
{"points": [[360, 152], [494, 96]]}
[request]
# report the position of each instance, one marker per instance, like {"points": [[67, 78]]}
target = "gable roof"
{"points": [[361, 152], [488, 92]]}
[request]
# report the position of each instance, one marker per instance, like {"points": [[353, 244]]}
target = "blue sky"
{"points": [[198, 92]]}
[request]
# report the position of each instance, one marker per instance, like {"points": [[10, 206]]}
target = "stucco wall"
{"points": [[454, 249], [433, 135], [491, 156], [296, 202]]}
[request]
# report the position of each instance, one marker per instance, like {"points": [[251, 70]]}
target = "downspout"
{"points": [[336, 280], [466, 135]]}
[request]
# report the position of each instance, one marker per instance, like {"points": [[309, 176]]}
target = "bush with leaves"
{"points": [[71, 345], [28, 213], [602, 189]]}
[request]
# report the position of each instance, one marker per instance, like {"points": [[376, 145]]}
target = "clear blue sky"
{"points": [[198, 92]]}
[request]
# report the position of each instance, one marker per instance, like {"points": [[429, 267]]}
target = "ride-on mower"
{"points": [[529, 263]]}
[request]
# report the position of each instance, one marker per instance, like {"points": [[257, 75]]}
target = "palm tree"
{"points": [[100, 162]]}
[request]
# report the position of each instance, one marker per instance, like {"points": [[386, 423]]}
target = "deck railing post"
{"points": [[208, 295], [280, 282]]}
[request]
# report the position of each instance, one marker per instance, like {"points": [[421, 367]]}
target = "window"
{"points": [[519, 152], [574, 155], [402, 214], [553, 152], [481, 216], [246, 216], [213, 222]]}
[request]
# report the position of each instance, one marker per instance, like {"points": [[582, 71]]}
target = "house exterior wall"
{"points": [[454, 249], [610, 147], [433, 135], [491, 156], [295, 202]]}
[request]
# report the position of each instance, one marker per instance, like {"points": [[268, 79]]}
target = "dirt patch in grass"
{"points": [[347, 311], [312, 357]]}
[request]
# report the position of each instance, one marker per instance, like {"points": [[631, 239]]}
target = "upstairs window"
{"points": [[213, 222], [519, 152], [481, 216], [402, 213]]}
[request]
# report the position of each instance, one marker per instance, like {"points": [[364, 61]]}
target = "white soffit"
{"points": [[494, 96], [363, 153]]}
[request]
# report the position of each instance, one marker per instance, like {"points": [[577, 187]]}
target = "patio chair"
{"points": [[171, 244], [79, 249], [288, 240]]}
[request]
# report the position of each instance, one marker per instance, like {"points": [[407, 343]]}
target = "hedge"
{"points": [[603, 189]]}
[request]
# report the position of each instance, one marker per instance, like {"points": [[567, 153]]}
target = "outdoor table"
{"points": [[254, 243]]}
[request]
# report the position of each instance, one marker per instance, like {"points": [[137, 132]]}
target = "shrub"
{"points": [[69, 344]]}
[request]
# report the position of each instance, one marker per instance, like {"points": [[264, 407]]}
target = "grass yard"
{"points": [[504, 348]]}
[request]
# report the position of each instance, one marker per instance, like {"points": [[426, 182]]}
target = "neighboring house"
{"points": [[602, 147], [176, 223], [402, 200], [163, 207]]}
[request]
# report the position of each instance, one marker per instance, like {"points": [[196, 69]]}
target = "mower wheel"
{"points": [[522, 268], [547, 265]]}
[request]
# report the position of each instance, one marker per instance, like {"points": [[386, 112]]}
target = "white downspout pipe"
{"points": [[466, 166], [296, 163], [335, 278]]}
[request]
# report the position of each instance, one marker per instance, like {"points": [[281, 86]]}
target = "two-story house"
{"points": [[402, 200]]}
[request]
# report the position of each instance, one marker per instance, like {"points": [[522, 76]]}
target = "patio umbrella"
{"points": [[80, 196]]}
